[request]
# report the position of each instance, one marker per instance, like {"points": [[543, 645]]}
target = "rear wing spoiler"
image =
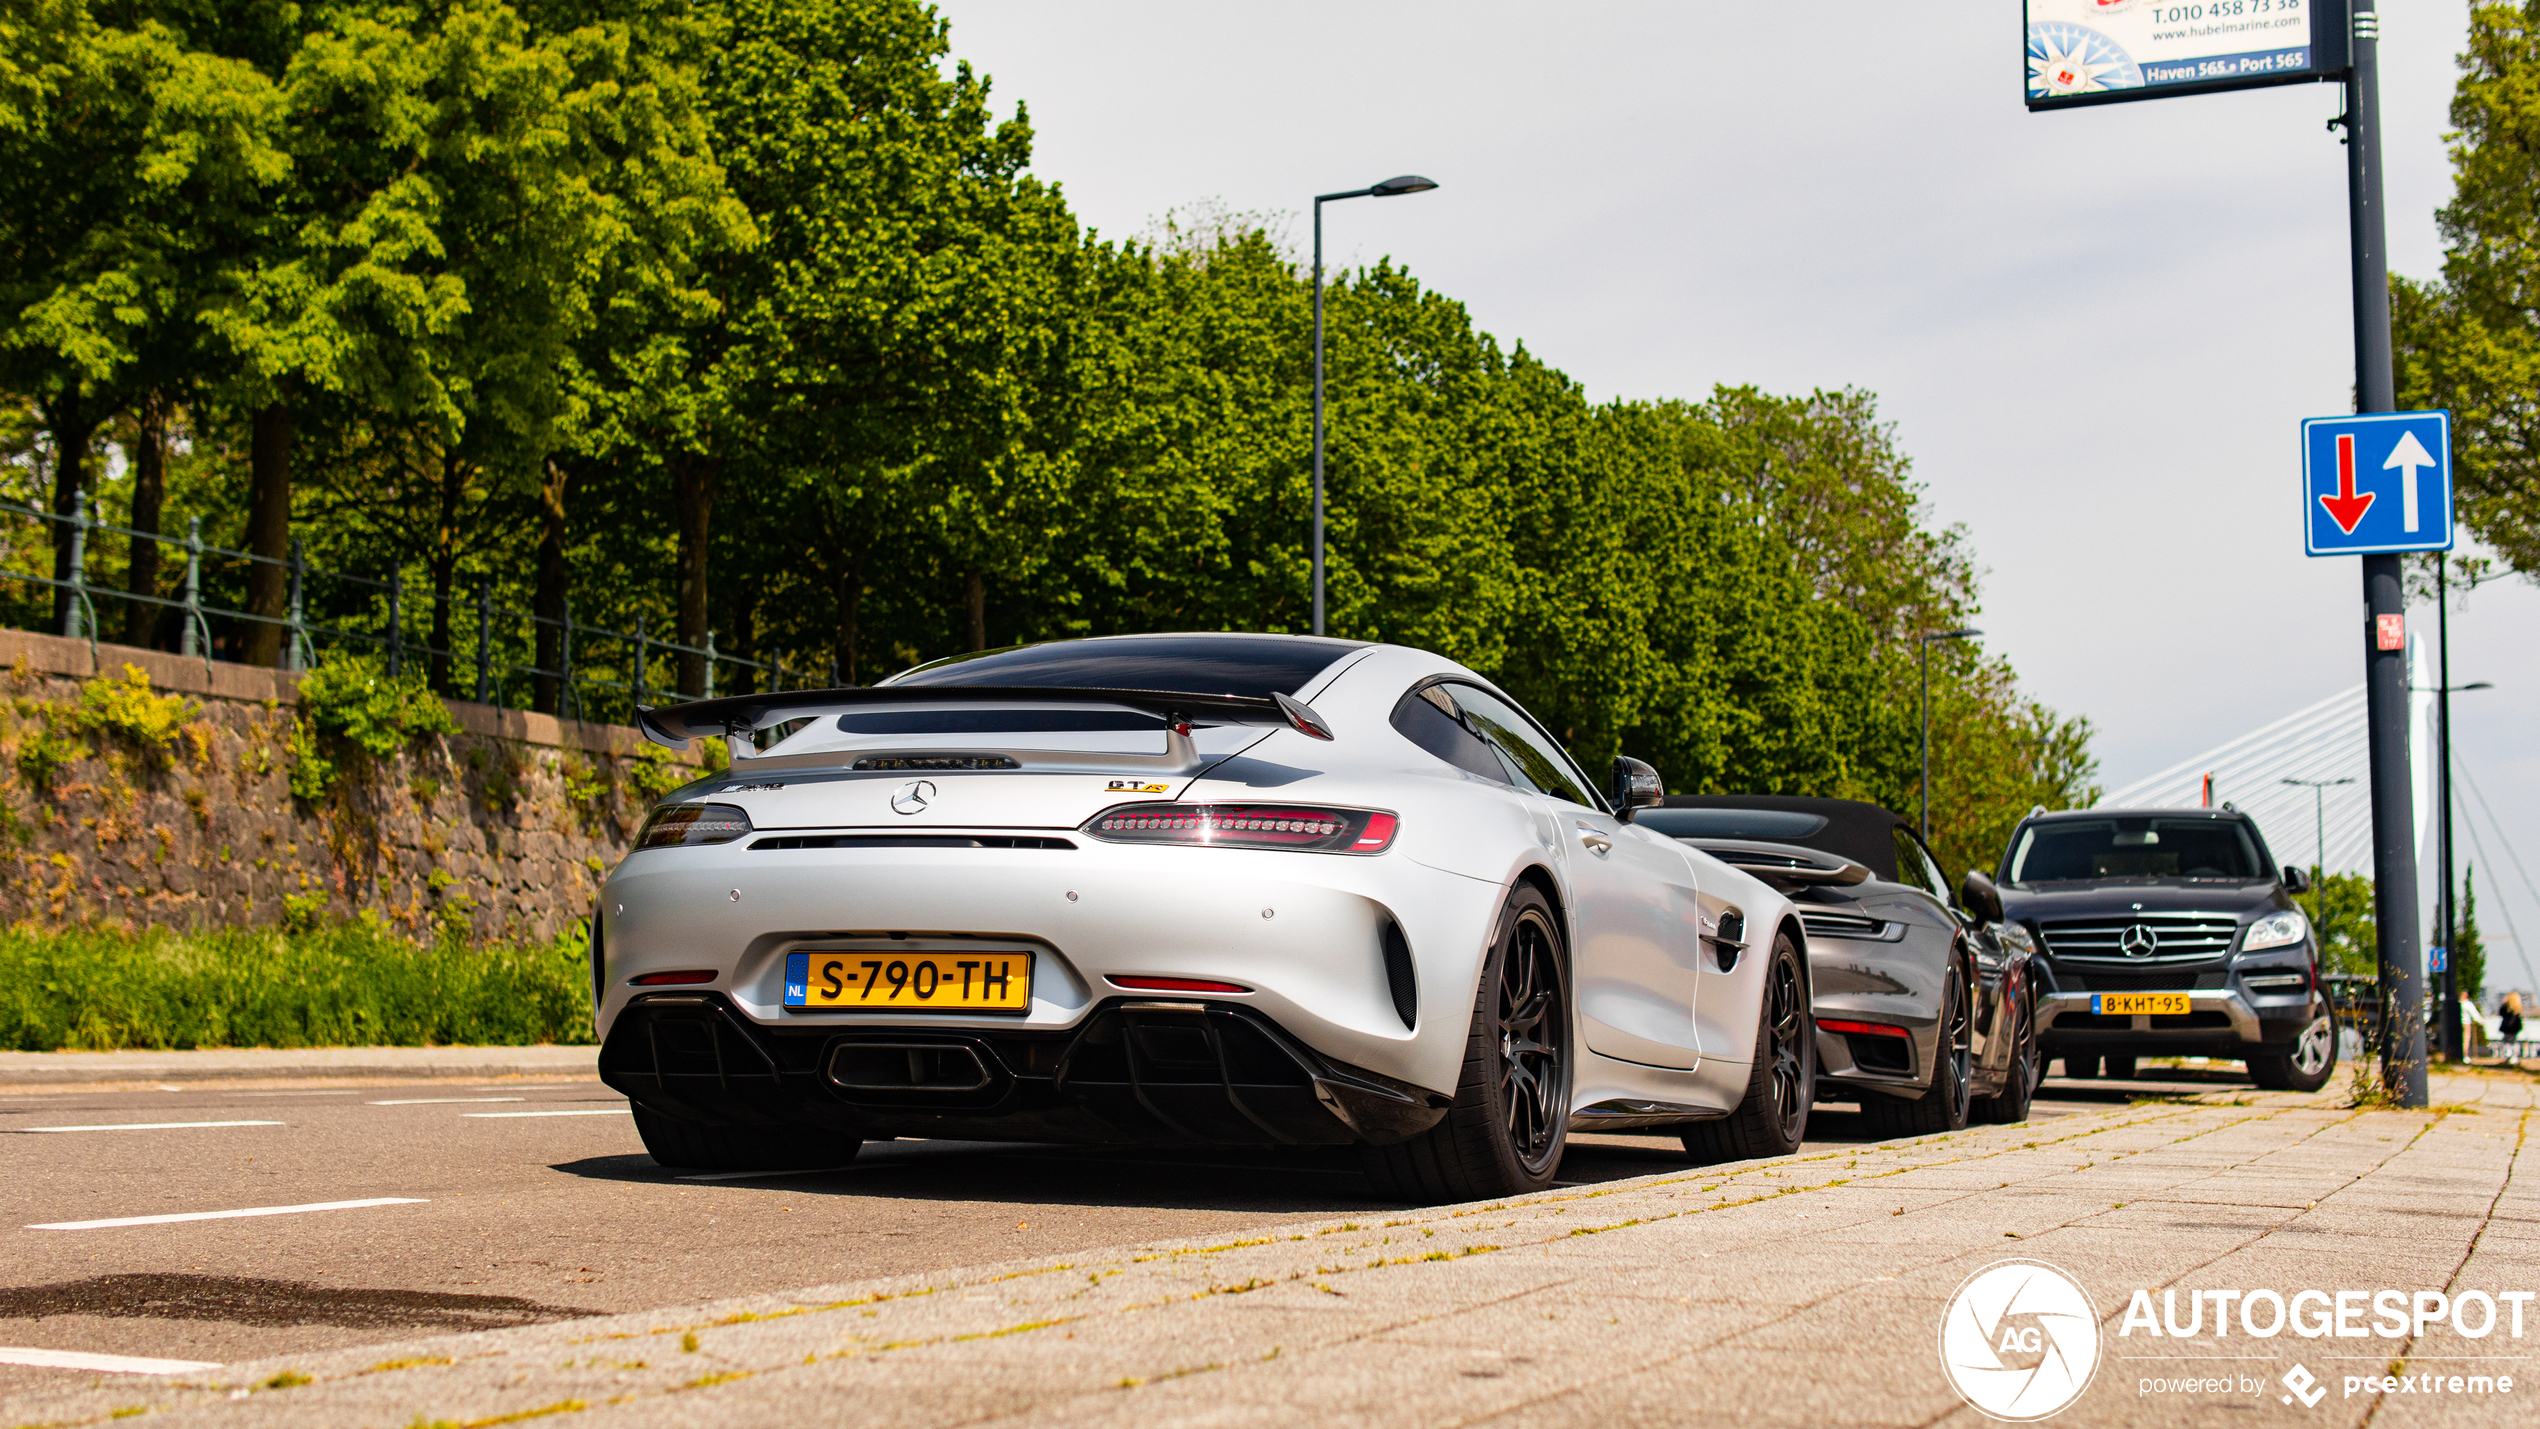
{"points": [[737, 715]]}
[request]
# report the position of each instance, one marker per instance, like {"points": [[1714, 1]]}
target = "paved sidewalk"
{"points": [[1807, 1291], [224, 1064]]}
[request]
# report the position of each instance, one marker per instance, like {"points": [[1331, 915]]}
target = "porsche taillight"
{"points": [[1301, 828]]}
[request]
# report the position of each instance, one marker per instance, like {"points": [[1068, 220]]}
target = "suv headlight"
{"points": [[2276, 930], [674, 824]]}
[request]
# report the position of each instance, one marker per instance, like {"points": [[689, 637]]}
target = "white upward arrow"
{"points": [[2408, 455]]}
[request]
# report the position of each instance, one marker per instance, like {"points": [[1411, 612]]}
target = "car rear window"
{"points": [[2062, 850], [1227, 664]]}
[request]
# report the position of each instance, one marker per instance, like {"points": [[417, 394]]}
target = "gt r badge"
{"points": [[913, 796], [2139, 941], [1133, 786]]}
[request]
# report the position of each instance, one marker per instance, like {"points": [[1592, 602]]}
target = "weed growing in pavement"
{"points": [[288, 1379], [356, 984]]}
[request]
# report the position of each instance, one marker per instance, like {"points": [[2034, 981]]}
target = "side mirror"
{"points": [[2296, 879], [1978, 896], [1636, 786]]}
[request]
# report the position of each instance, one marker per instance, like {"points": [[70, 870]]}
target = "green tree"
{"points": [[2469, 951], [2340, 905], [2471, 341]]}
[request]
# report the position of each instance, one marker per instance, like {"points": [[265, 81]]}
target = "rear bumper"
{"points": [[1132, 1070], [2222, 1020]]}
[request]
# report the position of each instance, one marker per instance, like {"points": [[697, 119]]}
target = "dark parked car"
{"points": [[2169, 933], [1923, 1000]]}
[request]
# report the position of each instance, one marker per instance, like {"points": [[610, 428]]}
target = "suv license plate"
{"points": [[2129, 1004], [939, 982]]}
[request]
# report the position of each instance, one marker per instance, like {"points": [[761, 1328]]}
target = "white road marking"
{"points": [[300, 1094], [610, 1111], [447, 1101], [226, 1215], [111, 1364], [150, 1126], [760, 1175]]}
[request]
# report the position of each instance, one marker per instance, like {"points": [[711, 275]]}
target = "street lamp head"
{"points": [[1402, 184], [1963, 632], [2480, 685]]}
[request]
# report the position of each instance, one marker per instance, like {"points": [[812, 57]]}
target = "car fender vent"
{"points": [[1402, 978]]}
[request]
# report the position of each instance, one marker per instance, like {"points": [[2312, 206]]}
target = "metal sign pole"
{"points": [[2394, 892]]}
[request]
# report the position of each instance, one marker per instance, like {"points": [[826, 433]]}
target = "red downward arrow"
{"points": [[2346, 508]]}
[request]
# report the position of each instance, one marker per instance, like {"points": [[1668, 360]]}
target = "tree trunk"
{"points": [[850, 605], [149, 494], [71, 426], [445, 564], [547, 690], [974, 596], [268, 532], [696, 481]]}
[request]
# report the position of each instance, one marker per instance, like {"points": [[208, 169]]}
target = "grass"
{"points": [[356, 984]]}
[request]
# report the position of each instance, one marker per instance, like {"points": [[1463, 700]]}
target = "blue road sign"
{"points": [[2377, 482]]}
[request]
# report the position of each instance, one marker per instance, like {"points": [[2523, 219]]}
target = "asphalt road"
{"points": [[501, 1204]]}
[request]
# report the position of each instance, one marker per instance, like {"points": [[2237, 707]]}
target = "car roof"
{"points": [[2060, 815], [1861, 832]]}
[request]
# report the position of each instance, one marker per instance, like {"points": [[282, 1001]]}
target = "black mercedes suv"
{"points": [[2168, 933]]}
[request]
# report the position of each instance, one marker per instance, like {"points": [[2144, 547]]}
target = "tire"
{"points": [[2307, 1065], [2081, 1069], [1504, 1133], [1772, 1119], [2009, 1107], [1946, 1104], [2120, 1068], [692, 1146]]}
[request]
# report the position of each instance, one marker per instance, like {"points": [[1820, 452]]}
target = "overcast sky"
{"points": [[2096, 331]]}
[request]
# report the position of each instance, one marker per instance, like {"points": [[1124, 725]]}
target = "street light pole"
{"points": [[2319, 831], [1390, 188], [2448, 1006], [1922, 660]]}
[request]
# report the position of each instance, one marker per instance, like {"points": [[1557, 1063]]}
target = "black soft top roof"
{"points": [[1863, 833]]}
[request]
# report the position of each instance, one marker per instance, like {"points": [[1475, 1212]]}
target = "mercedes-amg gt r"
{"points": [[1213, 888]]}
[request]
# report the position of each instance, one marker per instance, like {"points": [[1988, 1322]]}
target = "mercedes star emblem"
{"points": [[913, 796], [2138, 942]]}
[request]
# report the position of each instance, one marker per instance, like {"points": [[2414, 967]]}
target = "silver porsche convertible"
{"points": [[1213, 888]]}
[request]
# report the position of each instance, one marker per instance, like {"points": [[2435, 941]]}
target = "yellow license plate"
{"points": [[2129, 1004], [910, 982]]}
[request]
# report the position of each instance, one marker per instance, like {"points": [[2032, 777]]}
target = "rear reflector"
{"points": [[1863, 1029], [1299, 827], [1175, 984], [677, 979]]}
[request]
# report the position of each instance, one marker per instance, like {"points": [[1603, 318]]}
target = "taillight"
{"points": [[673, 825], [1297, 827]]}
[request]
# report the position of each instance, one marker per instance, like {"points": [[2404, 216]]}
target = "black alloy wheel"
{"points": [[2304, 1066], [1782, 1085], [2009, 1107], [1504, 1133], [1533, 1081], [1944, 1106]]}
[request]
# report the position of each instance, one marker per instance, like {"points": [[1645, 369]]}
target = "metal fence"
{"points": [[597, 672]]}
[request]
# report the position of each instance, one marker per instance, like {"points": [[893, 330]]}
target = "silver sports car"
{"points": [[1209, 888]]}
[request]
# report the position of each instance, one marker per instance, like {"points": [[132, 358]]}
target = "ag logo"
{"points": [[2019, 1340]]}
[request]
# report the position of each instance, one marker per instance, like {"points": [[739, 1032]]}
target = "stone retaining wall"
{"points": [[503, 830]]}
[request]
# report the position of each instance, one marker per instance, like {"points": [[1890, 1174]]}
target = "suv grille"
{"points": [[2142, 940]]}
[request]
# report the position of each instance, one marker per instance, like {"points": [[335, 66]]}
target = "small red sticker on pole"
{"points": [[2390, 632]]}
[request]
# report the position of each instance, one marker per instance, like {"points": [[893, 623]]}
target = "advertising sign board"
{"points": [[2108, 51]]}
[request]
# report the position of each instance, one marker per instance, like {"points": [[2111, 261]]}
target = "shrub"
{"points": [[126, 708], [44, 752], [352, 984], [653, 772], [352, 699]]}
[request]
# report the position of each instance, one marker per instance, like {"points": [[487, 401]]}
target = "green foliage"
{"points": [[125, 708], [2471, 341], [312, 772], [350, 985], [2340, 906], [352, 697], [654, 772], [2469, 950], [44, 752]]}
